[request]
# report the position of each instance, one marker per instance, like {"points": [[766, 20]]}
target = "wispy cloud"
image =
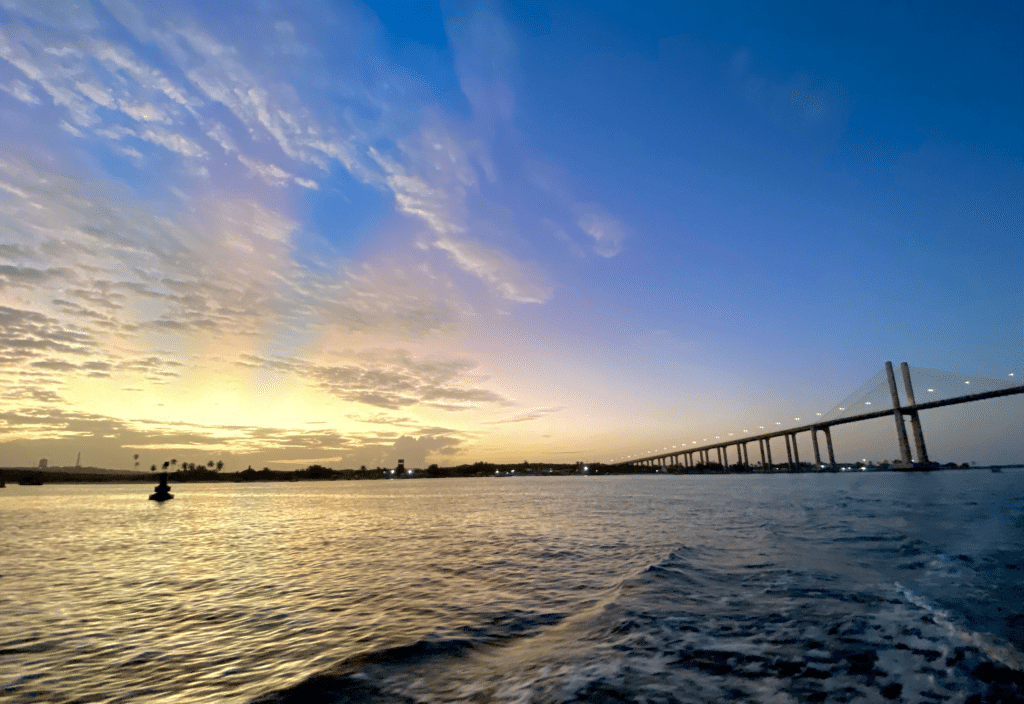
{"points": [[527, 416], [512, 279], [608, 233], [390, 379]]}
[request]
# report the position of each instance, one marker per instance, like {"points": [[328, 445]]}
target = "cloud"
{"points": [[145, 112], [22, 92], [25, 334], [606, 231], [390, 379], [533, 414], [430, 168], [508, 277], [415, 197], [172, 141], [486, 56], [26, 276], [415, 450], [271, 175]]}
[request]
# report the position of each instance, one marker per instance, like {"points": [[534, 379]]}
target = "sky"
{"points": [[285, 233]]}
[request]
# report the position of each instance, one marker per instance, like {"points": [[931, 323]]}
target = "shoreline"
{"points": [[14, 475]]}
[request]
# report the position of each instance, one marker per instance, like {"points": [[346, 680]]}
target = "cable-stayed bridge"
{"points": [[879, 396]]}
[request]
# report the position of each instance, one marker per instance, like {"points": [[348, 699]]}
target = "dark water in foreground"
{"points": [[786, 588]]}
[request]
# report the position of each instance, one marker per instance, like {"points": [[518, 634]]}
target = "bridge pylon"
{"points": [[897, 414]]}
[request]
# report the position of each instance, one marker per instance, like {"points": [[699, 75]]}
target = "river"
{"points": [[846, 587]]}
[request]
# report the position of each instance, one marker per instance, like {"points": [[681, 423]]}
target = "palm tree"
{"points": [[220, 465], [136, 460], [166, 465], [210, 464], [174, 462], [153, 468]]}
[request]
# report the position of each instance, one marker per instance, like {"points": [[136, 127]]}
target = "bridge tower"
{"points": [[897, 414], [915, 419]]}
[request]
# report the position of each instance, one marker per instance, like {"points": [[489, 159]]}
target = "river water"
{"points": [[850, 587]]}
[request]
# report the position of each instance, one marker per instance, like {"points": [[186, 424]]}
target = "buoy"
{"points": [[162, 491]]}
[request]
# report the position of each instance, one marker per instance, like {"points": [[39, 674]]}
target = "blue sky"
{"points": [[345, 233]]}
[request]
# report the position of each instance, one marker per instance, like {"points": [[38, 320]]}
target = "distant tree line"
{"points": [[212, 472]]}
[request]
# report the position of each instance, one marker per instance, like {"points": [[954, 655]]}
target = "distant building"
{"points": [[43, 463], [401, 465]]}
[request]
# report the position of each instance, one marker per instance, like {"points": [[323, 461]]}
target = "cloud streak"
{"points": [[390, 379]]}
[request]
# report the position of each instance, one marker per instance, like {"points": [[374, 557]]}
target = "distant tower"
{"points": [[78, 462], [42, 463], [401, 465]]}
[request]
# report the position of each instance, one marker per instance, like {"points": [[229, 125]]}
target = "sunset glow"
{"points": [[348, 233]]}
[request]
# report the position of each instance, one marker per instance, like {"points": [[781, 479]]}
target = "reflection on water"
{"points": [[448, 590]]}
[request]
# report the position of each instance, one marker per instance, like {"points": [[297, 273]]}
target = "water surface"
{"points": [[783, 588]]}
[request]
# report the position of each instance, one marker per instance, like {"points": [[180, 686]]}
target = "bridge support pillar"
{"points": [[789, 452], [915, 419], [768, 449], [897, 414], [828, 442], [796, 454], [817, 453]]}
